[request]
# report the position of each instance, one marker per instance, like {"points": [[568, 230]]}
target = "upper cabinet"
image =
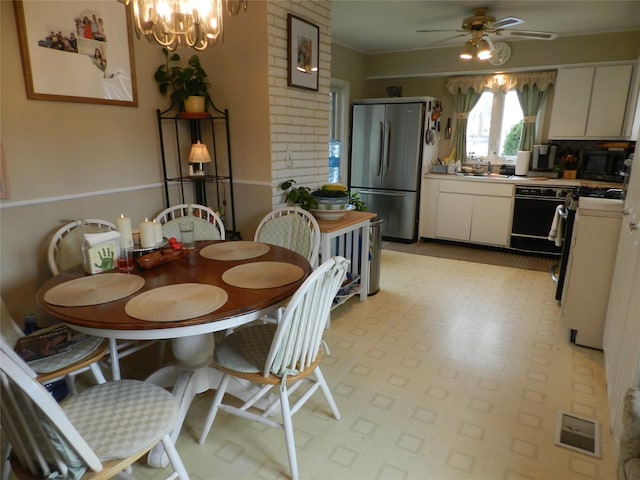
{"points": [[592, 102]]}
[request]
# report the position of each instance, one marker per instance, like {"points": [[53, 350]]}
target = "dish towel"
{"points": [[557, 225]]}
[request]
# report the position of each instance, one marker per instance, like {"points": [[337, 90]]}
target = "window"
{"points": [[494, 125], [338, 138]]}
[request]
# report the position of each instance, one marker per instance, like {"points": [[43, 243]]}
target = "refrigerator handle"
{"points": [[385, 170], [380, 149], [382, 194]]}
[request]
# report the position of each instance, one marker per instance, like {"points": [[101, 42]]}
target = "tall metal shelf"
{"points": [[178, 131]]}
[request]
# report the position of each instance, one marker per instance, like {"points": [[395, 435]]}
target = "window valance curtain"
{"points": [[531, 88], [501, 82]]}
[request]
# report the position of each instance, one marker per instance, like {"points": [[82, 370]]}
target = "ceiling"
{"points": [[377, 26]]}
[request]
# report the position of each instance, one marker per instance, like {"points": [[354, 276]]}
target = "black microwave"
{"points": [[604, 165]]}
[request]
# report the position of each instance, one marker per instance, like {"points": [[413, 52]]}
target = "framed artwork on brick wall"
{"points": [[303, 50]]}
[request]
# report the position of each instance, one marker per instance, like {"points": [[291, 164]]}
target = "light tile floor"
{"points": [[454, 370]]}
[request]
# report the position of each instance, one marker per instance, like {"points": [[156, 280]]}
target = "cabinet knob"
{"points": [[633, 226]]}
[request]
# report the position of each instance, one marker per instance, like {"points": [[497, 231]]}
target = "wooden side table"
{"points": [[349, 238]]}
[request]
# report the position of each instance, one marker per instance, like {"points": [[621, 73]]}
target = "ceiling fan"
{"points": [[481, 27]]}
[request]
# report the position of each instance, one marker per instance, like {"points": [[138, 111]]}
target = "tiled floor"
{"points": [[455, 370]]}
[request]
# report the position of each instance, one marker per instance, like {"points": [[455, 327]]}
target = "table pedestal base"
{"points": [[191, 376]]}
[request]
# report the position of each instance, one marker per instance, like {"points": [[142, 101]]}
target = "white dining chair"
{"points": [[79, 358], [292, 228], [64, 252], [207, 224], [96, 434], [285, 355]]}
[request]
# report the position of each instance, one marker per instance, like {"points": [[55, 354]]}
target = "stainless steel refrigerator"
{"points": [[390, 141]]}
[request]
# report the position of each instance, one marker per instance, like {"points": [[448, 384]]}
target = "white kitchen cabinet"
{"points": [[591, 102], [474, 212], [428, 207], [453, 217]]}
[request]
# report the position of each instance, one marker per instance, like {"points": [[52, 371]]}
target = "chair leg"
{"points": [[115, 360], [174, 458], [217, 400], [327, 393], [70, 380], [287, 425], [97, 373]]}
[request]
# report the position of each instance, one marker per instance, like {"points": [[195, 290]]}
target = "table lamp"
{"points": [[199, 155]]}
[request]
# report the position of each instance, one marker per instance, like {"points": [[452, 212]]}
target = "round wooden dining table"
{"points": [[192, 338]]}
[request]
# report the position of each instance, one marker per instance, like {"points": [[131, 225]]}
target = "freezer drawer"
{"points": [[397, 209]]}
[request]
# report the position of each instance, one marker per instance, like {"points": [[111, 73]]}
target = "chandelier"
{"points": [[173, 23]]}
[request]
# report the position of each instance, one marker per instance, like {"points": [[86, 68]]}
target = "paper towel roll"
{"points": [[522, 162]]}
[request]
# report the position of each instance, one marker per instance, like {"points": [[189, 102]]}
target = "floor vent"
{"points": [[578, 434]]}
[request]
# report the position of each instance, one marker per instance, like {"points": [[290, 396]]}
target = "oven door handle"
{"points": [[554, 272], [564, 212]]}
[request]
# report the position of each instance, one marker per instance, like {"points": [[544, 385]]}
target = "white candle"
{"points": [[147, 234], [158, 229], [123, 225]]}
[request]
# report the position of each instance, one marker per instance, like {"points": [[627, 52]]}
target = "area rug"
{"points": [[487, 256]]}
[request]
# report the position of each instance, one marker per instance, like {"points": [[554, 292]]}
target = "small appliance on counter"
{"points": [[543, 160], [605, 164]]}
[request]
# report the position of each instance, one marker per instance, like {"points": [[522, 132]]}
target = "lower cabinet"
{"points": [[475, 212]]}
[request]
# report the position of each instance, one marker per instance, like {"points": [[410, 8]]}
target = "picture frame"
{"points": [[77, 51], [303, 39]]}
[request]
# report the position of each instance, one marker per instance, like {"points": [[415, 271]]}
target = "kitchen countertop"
{"points": [[537, 181]]}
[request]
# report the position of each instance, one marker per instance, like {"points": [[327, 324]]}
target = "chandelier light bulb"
{"points": [[192, 23]]}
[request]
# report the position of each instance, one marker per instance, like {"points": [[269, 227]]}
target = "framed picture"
{"points": [[77, 51], [303, 40]]}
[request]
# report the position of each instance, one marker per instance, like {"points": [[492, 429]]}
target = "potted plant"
{"points": [[356, 201], [298, 195], [183, 82]]}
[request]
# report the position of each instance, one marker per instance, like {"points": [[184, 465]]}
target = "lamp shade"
{"points": [[467, 51], [199, 153], [484, 50]]}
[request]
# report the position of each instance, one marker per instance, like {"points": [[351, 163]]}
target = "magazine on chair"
{"points": [[47, 342]]}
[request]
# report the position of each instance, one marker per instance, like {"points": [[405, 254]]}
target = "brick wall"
{"points": [[299, 119]]}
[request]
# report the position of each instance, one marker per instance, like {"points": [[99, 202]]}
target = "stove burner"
{"points": [[600, 192]]}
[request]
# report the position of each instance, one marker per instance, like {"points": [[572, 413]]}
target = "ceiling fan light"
{"points": [[484, 50], [467, 51]]}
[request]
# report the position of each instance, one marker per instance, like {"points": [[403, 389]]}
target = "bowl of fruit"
{"points": [[332, 196], [332, 202]]}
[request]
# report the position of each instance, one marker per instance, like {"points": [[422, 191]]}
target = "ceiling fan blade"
{"points": [[530, 34], [435, 31], [444, 40], [505, 22]]}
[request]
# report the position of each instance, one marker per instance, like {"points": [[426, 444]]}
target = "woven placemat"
{"points": [[239, 250], [93, 290], [176, 302], [258, 275]]}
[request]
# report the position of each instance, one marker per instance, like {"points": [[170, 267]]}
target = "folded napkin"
{"points": [[93, 239], [557, 226], [100, 251]]}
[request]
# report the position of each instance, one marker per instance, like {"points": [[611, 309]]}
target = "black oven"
{"points": [[533, 211]]}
